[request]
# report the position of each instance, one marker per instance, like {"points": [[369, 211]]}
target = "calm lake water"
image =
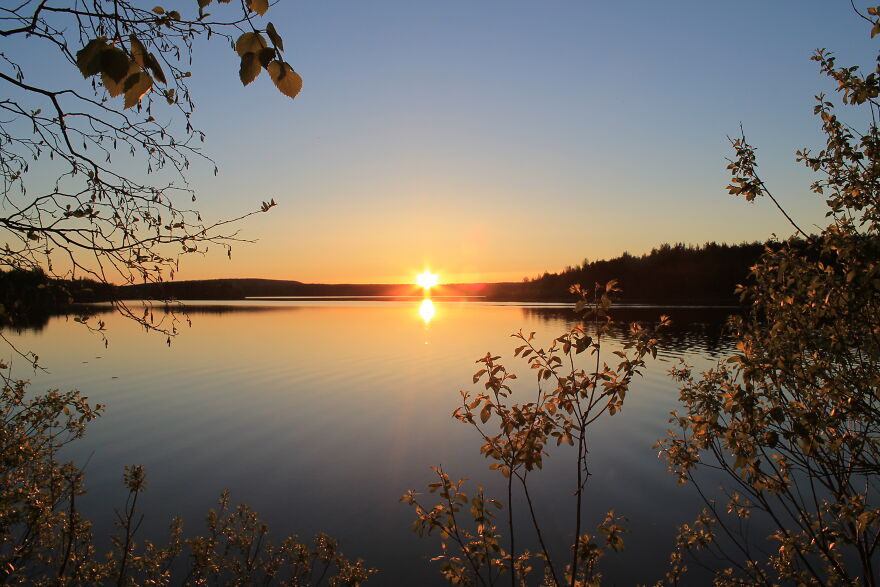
{"points": [[321, 414]]}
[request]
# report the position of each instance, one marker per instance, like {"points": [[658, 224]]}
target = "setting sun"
{"points": [[427, 280]]}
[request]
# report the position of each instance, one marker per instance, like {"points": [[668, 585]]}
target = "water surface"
{"points": [[321, 414]]}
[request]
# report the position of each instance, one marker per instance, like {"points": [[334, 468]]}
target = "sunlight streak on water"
{"points": [[426, 310]]}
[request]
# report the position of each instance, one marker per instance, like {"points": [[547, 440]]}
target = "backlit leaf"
{"points": [[286, 80], [153, 65], [250, 68], [138, 51], [114, 63], [117, 87], [88, 58], [250, 43], [259, 6], [274, 36], [266, 55]]}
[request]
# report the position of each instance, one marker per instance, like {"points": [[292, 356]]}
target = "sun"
{"points": [[427, 280]]}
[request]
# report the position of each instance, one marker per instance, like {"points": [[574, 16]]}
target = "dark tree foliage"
{"points": [[791, 422], [676, 273], [68, 205]]}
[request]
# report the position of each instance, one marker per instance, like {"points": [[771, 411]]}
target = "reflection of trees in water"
{"points": [[36, 322], [702, 329], [693, 328]]}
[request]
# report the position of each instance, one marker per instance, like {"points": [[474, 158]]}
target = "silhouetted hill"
{"points": [[669, 274], [232, 289]]}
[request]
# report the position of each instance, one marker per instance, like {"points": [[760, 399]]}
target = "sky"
{"points": [[495, 140]]}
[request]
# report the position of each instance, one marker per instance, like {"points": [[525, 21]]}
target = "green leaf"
{"points": [[250, 68], [274, 36], [286, 80]]}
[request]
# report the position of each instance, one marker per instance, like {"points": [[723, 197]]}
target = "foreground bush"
{"points": [[45, 540], [792, 421]]}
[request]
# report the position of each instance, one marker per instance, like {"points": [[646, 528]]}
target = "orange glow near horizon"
{"points": [[426, 280]]}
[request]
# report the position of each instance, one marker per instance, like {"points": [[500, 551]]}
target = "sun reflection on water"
{"points": [[426, 310]]}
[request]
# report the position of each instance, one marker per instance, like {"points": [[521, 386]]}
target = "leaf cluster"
{"points": [[517, 437], [98, 218], [792, 420]]}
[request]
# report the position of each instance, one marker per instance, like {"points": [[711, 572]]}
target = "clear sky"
{"points": [[497, 139]]}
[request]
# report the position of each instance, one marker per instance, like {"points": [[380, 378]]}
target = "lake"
{"points": [[321, 414]]}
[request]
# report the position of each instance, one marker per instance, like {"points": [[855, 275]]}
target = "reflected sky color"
{"points": [[320, 415]]}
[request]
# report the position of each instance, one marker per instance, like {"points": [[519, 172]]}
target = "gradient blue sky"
{"points": [[497, 139]]}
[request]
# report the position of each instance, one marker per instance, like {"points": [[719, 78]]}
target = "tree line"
{"points": [[671, 273]]}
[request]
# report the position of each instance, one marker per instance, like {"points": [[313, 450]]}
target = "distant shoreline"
{"points": [[268, 289]]}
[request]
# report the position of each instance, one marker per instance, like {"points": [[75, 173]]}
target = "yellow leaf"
{"points": [[115, 88], [137, 87], [286, 80], [249, 43], [259, 6]]}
